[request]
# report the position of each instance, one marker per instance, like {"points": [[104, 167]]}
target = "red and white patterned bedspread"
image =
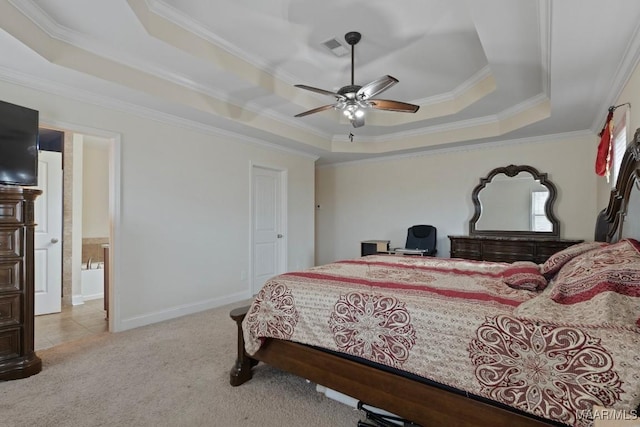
{"points": [[451, 321]]}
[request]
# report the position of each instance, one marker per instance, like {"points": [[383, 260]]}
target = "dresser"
{"points": [[513, 218], [17, 355], [507, 248]]}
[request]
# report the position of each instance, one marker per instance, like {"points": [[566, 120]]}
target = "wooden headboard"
{"points": [[621, 218]]}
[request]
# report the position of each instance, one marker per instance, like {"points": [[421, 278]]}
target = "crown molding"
{"points": [[186, 22], [458, 91], [497, 118], [38, 16], [59, 32], [171, 14], [156, 14], [629, 63], [34, 83], [469, 147]]}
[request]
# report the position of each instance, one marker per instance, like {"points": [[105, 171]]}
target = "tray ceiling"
{"points": [[481, 71]]}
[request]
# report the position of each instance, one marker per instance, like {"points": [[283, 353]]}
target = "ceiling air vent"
{"points": [[336, 47]]}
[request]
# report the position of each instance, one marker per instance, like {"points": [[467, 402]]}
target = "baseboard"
{"points": [[183, 310], [80, 299], [93, 296]]}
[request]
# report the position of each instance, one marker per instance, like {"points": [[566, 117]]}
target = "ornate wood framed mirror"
{"points": [[514, 201]]}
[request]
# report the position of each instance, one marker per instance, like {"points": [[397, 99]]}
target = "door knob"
{"points": [[54, 240], [279, 236]]}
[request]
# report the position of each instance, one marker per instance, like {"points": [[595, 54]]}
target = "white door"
{"points": [[267, 226], [48, 234]]}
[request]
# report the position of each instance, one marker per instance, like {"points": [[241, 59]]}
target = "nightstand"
{"points": [[372, 247]]}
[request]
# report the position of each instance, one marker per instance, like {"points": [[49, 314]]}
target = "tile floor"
{"points": [[74, 322]]}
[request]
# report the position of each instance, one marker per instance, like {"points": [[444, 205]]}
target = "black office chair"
{"points": [[421, 240]]}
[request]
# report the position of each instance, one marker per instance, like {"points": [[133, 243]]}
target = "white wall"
{"points": [[630, 93], [183, 239], [95, 187], [381, 199]]}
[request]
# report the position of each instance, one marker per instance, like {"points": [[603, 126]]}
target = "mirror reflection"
{"points": [[514, 201], [514, 204]]}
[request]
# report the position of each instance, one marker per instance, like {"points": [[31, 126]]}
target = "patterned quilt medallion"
{"points": [[453, 322]]}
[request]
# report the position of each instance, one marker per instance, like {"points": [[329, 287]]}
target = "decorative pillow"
{"points": [[604, 309], [524, 275], [613, 268], [555, 262]]}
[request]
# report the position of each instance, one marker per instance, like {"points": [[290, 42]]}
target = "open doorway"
{"points": [[88, 210]]}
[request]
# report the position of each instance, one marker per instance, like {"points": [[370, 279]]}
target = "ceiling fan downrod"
{"points": [[352, 37]]}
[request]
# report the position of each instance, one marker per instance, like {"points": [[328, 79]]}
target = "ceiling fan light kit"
{"points": [[353, 99]]}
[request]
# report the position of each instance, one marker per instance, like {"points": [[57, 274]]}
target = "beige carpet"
{"points": [[174, 373]]}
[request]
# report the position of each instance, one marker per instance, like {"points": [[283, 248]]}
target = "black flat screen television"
{"points": [[18, 145]]}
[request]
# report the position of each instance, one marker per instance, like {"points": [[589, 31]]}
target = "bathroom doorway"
{"points": [[88, 210]]}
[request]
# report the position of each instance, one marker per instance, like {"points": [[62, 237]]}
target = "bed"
{"points": [[466, 343]]}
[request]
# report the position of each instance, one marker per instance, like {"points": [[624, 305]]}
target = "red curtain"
{"points": [[603, 159]]}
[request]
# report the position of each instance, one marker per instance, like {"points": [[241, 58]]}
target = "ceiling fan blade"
{"points": [[388, 105], [357, 122], [321, 91], [375, 87], [315, 110]]}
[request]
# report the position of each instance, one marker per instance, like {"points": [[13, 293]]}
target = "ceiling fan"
{"points": [[353, 100]]}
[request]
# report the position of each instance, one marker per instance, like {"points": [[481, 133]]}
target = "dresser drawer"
{"points": [[11, 212], [509, 247], [468, 249], [9, 343], [507, 257], [9, 310], [11, 241], [506, 251], [10, 275], [474, 256], [506, 248], [547, 249], [466, 245]]}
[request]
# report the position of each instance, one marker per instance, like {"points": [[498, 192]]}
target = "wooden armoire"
{"points": [[17, 355]]}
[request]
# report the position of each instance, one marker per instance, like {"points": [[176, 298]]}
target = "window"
{"points": [[618, 147], [539, 220]]}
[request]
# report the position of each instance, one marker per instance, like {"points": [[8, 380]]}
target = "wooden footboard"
{"points": [[241, 371], [424, 404]]}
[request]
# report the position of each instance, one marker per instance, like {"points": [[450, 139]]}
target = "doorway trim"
{"points": [[283, 226], [115, 153]]}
